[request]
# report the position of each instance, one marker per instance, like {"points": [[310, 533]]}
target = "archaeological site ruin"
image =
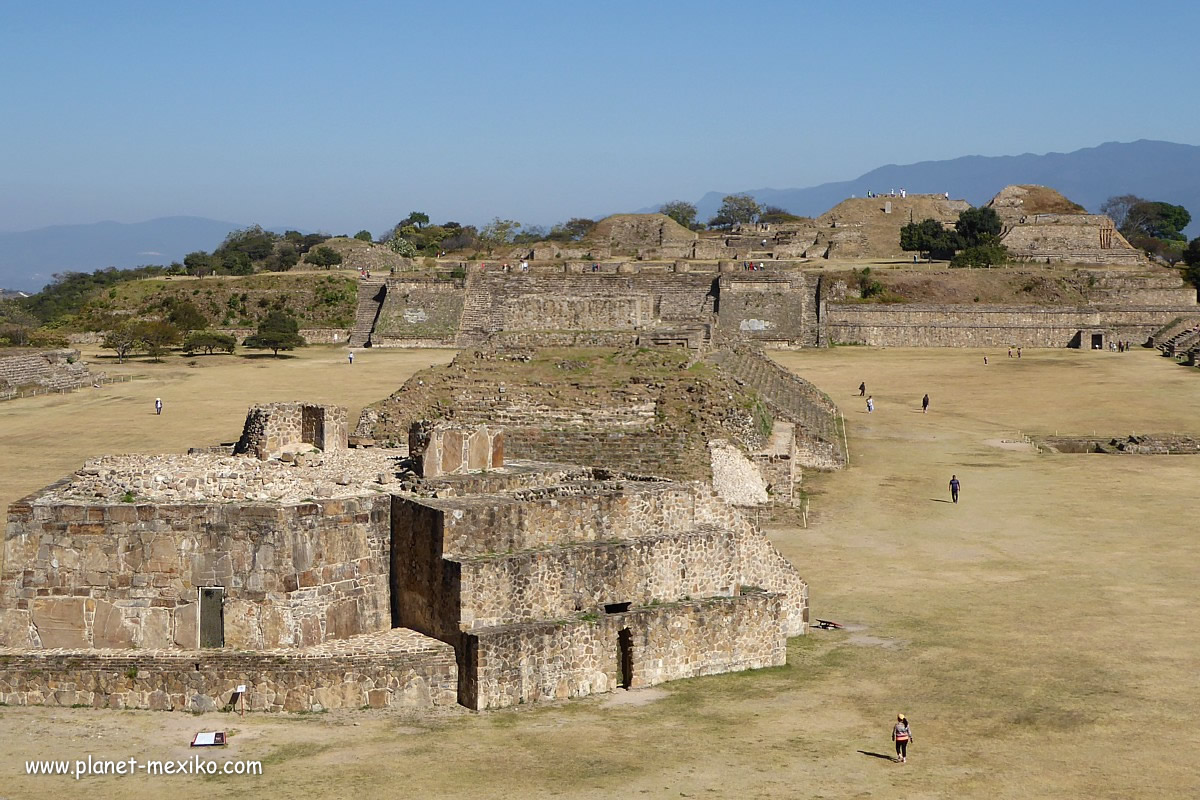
{"points": [[570, 507]]}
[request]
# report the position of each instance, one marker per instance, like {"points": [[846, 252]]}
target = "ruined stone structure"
{"points": [[648, 412], [555, 583], [166, 581], [273, 428], [24, 371], [1041, 225]]}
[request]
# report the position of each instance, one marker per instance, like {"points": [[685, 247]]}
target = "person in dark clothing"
{"points": [[954, 487], [862, 389], [925, 404], [901, 735]]}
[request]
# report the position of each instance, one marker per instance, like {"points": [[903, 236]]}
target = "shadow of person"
{"points": [[877, 755], [936, 500]]}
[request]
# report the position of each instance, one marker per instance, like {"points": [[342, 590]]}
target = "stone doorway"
{"points": [[625, 658], [1097, 341], [212, 616]]}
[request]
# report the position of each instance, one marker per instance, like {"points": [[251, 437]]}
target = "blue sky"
{"points": [[344, 116]]}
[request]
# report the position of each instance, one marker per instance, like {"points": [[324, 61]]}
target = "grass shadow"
{"points": [[936, 500], [258, 356], [878, 755]]}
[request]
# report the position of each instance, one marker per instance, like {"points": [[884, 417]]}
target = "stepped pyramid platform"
{"points": [[555, 582]]}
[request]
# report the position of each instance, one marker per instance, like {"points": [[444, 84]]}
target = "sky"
{"points": [[338, 117]]}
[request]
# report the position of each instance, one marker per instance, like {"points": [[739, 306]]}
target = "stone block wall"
{"points": [[127, 576], [413, 674], [775, 309], [442, 449], [556, 660], [919, 325], [414, 310], [277, 426]]}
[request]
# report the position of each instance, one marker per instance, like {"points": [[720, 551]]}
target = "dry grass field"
{"points": [[1041, 635]]}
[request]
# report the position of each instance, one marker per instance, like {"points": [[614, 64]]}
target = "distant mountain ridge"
{"points": [[28, 259], [1152, 169]]}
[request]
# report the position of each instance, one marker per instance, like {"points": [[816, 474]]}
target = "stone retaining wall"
{"points": [[912, 325], [561, 659], [420, 675]]}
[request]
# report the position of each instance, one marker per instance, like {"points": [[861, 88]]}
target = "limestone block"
{"points": [[497, 449], [342, 620], [14, 628], [186, 625], [110, 627], [60, 621], [155, 633], [452, 450], [477, 450]]}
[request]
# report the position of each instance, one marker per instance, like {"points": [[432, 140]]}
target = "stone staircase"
{"points": [[479, 311], [788, 396], [1181, 343], [51, 370], [370, 302]]}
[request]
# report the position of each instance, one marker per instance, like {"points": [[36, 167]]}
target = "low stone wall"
{"points": [[913, 325], [126, 575], [400, 670], [557, 660]]}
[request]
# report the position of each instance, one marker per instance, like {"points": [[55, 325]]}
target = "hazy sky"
{"points": [[349, 115]]}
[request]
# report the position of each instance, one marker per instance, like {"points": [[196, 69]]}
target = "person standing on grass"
{"points": [[870, 404], [954, 488], [901, 735], [862, 389], [351, 354], [925, 404], [158, 406]]}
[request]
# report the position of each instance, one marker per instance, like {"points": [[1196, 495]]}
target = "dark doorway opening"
{"points": [[616, 608], [1097, 341], [212, 616], [625, 658]]}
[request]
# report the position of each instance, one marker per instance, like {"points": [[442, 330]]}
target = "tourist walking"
{"points": [[351, 355], [870, 404], [158, 406], [862, 389], [954, 488], [901, 735], [925, 404]]}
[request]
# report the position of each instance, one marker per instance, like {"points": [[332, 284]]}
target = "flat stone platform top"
{"points": [[394, 642], [205, 477], [523, 480]]}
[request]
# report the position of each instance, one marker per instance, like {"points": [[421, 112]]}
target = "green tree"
{"points": [[682, 212], [279, 330], [157, 336], [929, 237], [418, 219], [208, 341], [185, 316], [777, 215], [572, 230], [1156, 220], [323, 257], [402, 246], [364, 236], [253, 241], [736, 209], [989, 253], [198, 263], [978, 226], [124, 339], [497, 233]]}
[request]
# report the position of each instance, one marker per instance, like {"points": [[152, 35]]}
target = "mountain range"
{"points": [[1151, 169], [29, 259]]}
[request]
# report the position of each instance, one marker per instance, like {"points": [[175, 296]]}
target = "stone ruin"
{"points": [[278, 427], [163, 582], [37, 371]]}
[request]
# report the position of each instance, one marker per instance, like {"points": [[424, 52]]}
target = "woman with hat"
{"points": [[901, 735]]}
